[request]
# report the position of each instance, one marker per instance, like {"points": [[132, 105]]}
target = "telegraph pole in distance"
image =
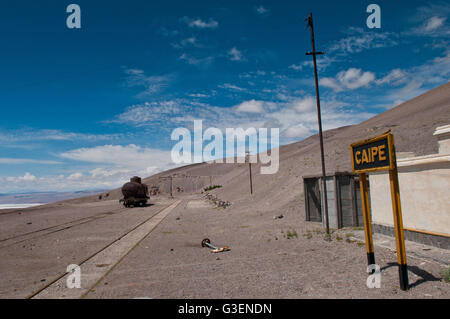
{"points": [[250, 172], [319, 118]]}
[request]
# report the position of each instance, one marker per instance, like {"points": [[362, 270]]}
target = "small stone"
{"points": [[171, 249]]}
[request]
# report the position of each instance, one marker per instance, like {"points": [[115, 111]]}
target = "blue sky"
{"points": [[86, 108]]}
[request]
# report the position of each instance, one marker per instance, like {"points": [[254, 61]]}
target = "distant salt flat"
{"points": [[12, 206]]}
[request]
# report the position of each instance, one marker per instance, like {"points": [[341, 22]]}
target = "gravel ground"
{"points": [[269, 258]]}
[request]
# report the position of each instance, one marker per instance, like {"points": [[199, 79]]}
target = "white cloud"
{"points": [[7, 160], [307, 104], [293, 112], [396, 77], [360, 39], [232, 87], [261, 10], [188, 42], [433, 23], [296, 67], [419, 79], [251, 106], [430, 21], [150, 84], [201, 24], [235, 55], [26, 178], [196, 61], [434, 26], [323, 62], [121, 156], [114, 166], [26, 135], [350, 79], [75, 176]]}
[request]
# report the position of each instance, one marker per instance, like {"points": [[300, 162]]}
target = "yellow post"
{"points": [[367, 219], [398, 227]]}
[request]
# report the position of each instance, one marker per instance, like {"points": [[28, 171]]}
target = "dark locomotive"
{"points": [[134, 193]]}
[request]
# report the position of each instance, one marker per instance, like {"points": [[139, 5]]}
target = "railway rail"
{"points": [[57, 228], [119, 248]]}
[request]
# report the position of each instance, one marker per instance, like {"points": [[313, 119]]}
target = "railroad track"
{"points": [[96, 266], [4, 242]]}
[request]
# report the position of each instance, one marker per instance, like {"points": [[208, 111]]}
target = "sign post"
{"points": [[367, 220], [378, 154]]}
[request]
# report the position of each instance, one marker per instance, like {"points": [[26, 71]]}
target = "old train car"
{"points": [[134, 193]]}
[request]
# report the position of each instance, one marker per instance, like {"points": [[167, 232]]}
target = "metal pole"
{"points": [[367, 220], [319, 118], [250, 172], [251, 184]]}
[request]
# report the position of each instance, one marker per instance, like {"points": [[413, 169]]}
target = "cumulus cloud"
{"points": [[251, 106], [75, 176], [307, 104], [323, 62], [262, 10], [433, 23], [296, 67], [430, 21], [395, 77], [291, 116], [113, 166], [8, 160], [235, 55], [28, 177], [359, 39], [121, 156], [150, 84], [350, 79], [26, 135], [232, 87], [200, 24], [414, 81], [196, 61]]}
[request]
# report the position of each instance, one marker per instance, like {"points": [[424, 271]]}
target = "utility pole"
{"points": [[319, 119], [250, 171]]}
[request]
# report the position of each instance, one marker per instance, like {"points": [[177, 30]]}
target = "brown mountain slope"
{"points": [[412, 124]]}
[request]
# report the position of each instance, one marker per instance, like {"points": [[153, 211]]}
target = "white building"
{"points": [[424, 193]]}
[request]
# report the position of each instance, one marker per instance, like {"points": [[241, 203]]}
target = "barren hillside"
{"points": [[412, 124]]}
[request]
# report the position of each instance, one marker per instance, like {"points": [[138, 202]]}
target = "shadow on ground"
{"points": [[424, 275]]}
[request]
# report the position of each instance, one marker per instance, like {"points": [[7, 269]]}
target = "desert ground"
{"points": [[155, 251]]}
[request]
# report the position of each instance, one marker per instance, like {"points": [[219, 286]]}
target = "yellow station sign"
{"points": [[374, 154], [378, 154]]}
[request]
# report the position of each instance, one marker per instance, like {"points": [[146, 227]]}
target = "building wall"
{"points": [[424, 193]]}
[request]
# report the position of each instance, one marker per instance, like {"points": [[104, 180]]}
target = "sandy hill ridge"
{"points": [[412, 124]]}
